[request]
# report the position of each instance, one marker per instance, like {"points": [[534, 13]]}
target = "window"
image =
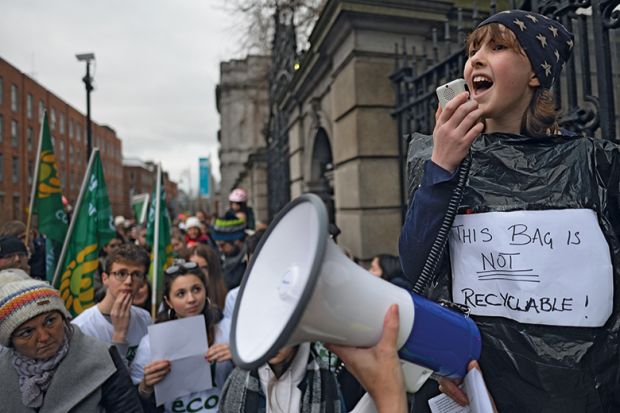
{"points": [[1, 167], [79, 156], [15, 169], [41, 108], [14, 134], [71, 159], [16, 208], [53, 119], [61, 149], [70, 128], [14, 98], [29, 106], [30, 138], [1, 90], [78, 132], [1, 129], [30, 171], [62, 123]]}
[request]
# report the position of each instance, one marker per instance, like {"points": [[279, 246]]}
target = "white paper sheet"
{"points": [[542, 267], [476, 391], [444, 404], [184, 343]]}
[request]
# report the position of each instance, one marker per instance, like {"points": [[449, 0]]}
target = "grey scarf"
{"points": [[35, 376], [242, 392]]}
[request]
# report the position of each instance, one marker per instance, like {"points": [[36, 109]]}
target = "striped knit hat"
{"points": [[23, 299], [225, 229]]}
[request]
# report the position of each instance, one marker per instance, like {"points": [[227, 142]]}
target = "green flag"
{"points": [[140, 206], [47, 200], [164, 254], [91, 229]]}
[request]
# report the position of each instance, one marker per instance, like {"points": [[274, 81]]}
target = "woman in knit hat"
{"points": [[229, 235], [50, 366]]}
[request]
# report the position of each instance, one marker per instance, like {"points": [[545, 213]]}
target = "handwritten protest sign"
{"points": [[548, 267]]}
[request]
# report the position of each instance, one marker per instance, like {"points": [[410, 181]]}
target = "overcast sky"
{"points": [[157, 65]]}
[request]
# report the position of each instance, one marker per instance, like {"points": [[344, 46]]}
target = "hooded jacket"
{"points": [[544, 363]]}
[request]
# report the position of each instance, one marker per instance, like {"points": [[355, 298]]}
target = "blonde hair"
{"points": [[540, 118]]}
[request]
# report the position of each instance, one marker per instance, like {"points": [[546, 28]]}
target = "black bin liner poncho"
{"points": [[533, 367]]}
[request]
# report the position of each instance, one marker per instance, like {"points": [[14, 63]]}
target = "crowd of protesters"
{"points": [[41, 343], [102, 359]]}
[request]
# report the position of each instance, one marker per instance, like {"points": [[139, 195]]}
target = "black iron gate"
{"points": [[284, 55], [587, 94]]}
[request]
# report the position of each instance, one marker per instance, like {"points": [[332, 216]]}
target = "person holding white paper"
{"points": [[185, 295]]}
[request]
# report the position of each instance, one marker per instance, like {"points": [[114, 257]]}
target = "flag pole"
{"points": [[35, 177], [155, 262], [76, 209]]}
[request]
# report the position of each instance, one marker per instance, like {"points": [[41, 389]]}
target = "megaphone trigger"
{"points": [[415, 375]]}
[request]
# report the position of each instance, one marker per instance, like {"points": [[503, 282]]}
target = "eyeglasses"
{"points": [[123, 274], [181, 267]]}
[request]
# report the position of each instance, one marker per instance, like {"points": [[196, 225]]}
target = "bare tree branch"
{"points": [[256, 21]]}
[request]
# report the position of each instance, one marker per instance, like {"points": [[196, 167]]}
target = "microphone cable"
{"points": [[429, 270]]}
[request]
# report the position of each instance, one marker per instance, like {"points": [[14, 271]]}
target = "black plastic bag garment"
{"points": [[548, 367]]}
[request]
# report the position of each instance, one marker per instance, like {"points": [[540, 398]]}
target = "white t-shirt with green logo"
{"points": [[93, 323]]}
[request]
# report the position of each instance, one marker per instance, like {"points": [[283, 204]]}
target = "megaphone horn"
{"points": [[300, 287]]}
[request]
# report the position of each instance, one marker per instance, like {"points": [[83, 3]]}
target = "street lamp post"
{"points": [[88, 82]]}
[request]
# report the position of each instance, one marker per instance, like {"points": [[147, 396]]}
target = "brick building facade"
{"points": [[22, 100], [139, 178]]}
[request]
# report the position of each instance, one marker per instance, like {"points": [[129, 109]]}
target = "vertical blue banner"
{"points": [[203, 164]]}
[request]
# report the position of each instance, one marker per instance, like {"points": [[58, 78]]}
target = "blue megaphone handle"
{"points": [[441, 339]]}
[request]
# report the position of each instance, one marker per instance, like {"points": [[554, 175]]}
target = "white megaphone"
{"points": [[300, 287]]}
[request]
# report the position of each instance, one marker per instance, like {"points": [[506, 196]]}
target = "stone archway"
{"points": [[321, 180]]}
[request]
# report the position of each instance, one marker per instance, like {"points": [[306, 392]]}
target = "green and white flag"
{"points": [[92, 227], [46, 200], [140, 206]]}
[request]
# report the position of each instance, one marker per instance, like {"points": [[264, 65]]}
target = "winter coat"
{"points": [[91, 378], [533, 366]]}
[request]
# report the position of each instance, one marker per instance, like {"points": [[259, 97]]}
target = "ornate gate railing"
{"points": [[284, 55]]}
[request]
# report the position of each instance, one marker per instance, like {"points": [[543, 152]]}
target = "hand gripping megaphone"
{"points": [[300, 287]]}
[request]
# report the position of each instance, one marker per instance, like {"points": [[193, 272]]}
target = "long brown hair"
{"points": [[217, 286], [540, 118], [212, 314]]}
